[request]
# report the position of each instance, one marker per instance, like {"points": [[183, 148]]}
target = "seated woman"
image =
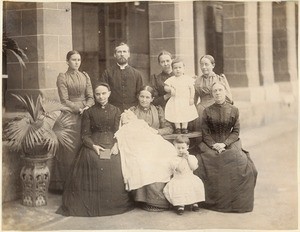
{"points": [[146, 161], [151, 195], [228, 173], [153, 115], [95, 186]]}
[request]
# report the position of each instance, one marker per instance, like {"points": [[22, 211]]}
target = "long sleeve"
{"points": [[193, 162], [234, 135], [228, 91], [196, 96], [139, 82], [117, 122], [64, 94], [165, 127], [159, 100], [86, 130], [157, 82], [206, 133], [88, 92]]}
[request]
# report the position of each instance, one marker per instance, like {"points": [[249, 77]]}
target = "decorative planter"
{"points": [[35, 177]]}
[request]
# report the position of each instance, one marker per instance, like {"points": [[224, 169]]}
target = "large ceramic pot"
{"points": [[35, 177]]}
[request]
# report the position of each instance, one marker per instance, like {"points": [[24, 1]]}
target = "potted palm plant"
{"points": [[38, 134]]}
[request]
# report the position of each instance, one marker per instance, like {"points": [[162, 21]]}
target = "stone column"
{"points": [[44, 31], [291, 40], [171, 29], [266, 43], [266, 52], [291, 46], [241, 50], [251, 44], [200, 42]]}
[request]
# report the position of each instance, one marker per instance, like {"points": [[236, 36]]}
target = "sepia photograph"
{"points": [[150, 115]]}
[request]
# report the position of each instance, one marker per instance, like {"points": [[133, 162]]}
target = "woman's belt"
{"points": [[77, 99]]}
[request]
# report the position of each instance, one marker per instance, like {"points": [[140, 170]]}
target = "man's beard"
{"points": [[122, 60]]}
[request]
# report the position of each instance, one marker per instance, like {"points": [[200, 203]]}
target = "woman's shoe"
{"points": [[151, 208], [180, 210], [184, 131], [177, 131]]}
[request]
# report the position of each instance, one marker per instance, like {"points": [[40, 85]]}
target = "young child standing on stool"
{"points": [[184, 188], [180, 108]]}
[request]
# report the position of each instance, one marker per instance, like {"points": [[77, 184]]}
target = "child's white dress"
{"points": [[178, 108], [146, 157], [184, 188]]}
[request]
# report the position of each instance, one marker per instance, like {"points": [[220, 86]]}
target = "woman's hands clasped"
{"points": [[219, 147]]}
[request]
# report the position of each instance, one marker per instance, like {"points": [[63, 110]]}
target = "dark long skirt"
{"points": [[95, 187], [60, 165], [152, 194], [229, 178]]}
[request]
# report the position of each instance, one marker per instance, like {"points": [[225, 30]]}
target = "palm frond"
{"points": [[44, 126], [21, 99], [49, 106], [51, 141], [38, 107], [63, 131], [24, 133], [20, 59], [35, 136], [30, 107], [9, 44], [16, 131], [28, 104]]}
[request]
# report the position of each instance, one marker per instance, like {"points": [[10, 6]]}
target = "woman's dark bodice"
{"points": [[99, 125], [220, 124]]}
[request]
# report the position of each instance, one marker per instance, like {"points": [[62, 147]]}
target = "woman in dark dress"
{"points": [[151, 195], [95, 186], [228, 173], [75, 91], [157, 81]]}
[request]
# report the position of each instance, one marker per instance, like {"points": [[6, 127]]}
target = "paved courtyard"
{"points": [[273, 150]]}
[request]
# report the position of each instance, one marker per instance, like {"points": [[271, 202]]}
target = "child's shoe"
{"points": [[195, 207], [180, 210], [184, 131], [177, 131]]}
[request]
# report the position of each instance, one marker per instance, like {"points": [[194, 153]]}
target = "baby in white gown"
{"points": [[146, 157]]}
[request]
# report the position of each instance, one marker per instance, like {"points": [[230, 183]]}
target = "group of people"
{"points": [[121, 160]]}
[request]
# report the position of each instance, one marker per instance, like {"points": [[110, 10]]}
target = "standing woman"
{"points": [[157, 81], [203, 86], [75, 91], [95, 186], [151, 195], [227, 171]]}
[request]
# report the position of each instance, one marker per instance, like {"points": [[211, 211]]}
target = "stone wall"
{"points": [[171, 29], [234, 44], [43, 31]]}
